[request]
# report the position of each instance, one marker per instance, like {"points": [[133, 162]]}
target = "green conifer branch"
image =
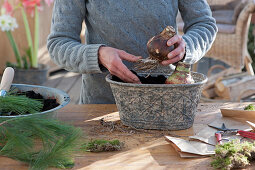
{"points": [[19, 139]]}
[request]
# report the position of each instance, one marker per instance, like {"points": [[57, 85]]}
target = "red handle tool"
{"points": [[227, 131], [246, 134], [218, 138]]}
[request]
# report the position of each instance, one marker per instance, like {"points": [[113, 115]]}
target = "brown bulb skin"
{"points": [[157, 45]]}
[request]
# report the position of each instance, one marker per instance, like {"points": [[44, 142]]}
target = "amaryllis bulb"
{"points": [[157, 49], [157, 45], [181, 75]]}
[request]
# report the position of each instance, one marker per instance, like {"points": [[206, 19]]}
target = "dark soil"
{"points": [[47, 103], [160, 79]]}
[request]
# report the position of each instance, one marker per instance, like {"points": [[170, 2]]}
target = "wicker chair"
{"points": [[231, 48]]}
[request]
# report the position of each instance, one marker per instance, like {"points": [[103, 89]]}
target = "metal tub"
{"points": [[158, 106], [47, 92]]}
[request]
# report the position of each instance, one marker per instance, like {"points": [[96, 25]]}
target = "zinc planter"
{"points": [[48, 93], [31, 76], [158, 106]]}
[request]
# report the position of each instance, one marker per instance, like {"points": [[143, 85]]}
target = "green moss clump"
{"points": [[102, 145], [250, 107], [233, 155]]}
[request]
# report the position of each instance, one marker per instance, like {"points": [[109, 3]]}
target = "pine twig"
{"points": [[19, 139]]}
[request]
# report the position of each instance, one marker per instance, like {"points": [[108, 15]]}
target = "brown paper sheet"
{"points": [[207, 135], [239, 114], [203, 143], [190, 149], [252, 125]]}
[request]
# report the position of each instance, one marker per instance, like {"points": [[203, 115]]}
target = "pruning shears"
{"points": [[223, 130]]}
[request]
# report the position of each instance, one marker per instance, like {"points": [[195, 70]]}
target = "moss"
{"points": [[233, 155], [102, 145], [250, 107]]}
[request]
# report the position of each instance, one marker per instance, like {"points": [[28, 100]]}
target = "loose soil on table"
{"points": [[131, 137], [159, 79]]}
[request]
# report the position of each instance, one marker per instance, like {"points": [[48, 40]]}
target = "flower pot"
{"points": [[31, 76], [48, 93], [158, 106]]}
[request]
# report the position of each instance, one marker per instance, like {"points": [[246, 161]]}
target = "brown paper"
{"points": [[252, 125], [203, 143], [207, 135], [239, 114], [191, 148]]}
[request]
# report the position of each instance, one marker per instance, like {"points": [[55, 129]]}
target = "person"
{"points": [[116, 35]]}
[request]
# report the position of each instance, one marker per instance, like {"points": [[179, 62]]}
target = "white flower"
{"points": [[8, 23]]}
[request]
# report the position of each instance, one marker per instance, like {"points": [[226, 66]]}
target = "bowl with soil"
{"points": [[156, 105], [51, 99]]}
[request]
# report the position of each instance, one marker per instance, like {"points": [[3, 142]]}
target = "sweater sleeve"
{"points": [[199, 28], [64, 43]]}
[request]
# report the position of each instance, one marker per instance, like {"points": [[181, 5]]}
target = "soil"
{"points": [[118, 126], [160, 79], [108, 128], [47, 103]]}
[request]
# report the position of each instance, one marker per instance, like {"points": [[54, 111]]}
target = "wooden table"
{"points": [[144, 149]]}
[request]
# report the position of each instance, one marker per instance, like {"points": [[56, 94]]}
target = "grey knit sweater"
{"points": [[122, 24]]}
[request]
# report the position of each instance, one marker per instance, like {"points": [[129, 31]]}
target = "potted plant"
{"points": [[161, 101], [27, 68]]}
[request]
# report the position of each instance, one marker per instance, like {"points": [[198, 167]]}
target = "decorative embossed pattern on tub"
{"points": [[158, 106]]}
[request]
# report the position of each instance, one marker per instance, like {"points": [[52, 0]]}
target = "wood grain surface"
{"points": [[143, 149]]}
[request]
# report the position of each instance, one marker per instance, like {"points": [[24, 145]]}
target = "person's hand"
{"points": [[112, 58], [178, 53]]}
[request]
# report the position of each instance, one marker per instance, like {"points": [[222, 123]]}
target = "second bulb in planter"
{"points": [[181, 75], [32, 76]]}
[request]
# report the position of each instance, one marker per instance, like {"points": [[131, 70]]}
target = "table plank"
{"points": [[144, 149]]}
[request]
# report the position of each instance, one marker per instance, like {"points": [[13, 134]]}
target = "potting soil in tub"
{"points": [[159, 79]]}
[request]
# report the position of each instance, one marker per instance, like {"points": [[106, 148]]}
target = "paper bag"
{"points": [[242, 115], [191, 148], [207, 135]]}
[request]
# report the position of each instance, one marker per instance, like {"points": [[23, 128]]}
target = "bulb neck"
{"points": [[183, 67]]}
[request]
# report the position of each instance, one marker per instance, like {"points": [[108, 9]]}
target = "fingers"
{"points": [[180, 50], [111, 58], [124, 74], [175, 39], [129, 57], [173, 60], [178, 53]]}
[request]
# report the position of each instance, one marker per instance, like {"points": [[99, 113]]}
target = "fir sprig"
{"points": [[21, 137], [19, 105]]}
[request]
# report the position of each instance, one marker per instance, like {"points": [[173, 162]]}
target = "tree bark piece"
{"points": [[231, 87], [211, 80]]}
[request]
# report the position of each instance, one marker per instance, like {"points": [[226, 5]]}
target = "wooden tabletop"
{"points": [[144, 149]]}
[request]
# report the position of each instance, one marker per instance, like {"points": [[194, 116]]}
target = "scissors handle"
{"points": [[246, 134], [218, 138]]}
